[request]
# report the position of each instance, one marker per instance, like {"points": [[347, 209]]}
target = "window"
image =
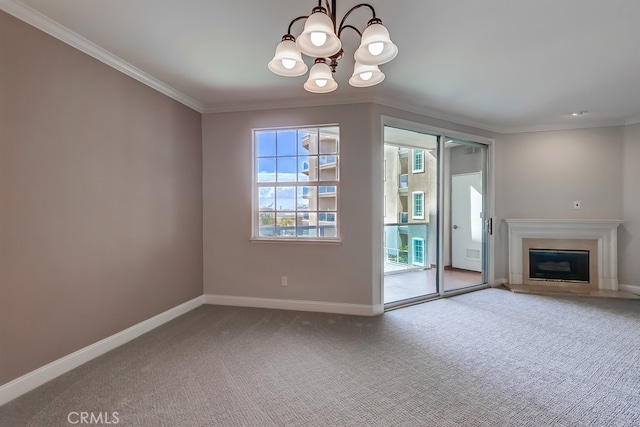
{"points": [[417, 245], [296, 183], [418, 204], [418, 161]]}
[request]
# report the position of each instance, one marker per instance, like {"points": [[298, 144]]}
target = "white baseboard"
{"points": [[33, 379], [633, 289], [287, 304]]}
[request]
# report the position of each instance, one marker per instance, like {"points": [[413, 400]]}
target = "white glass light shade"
{"points": [[318, 22], [366, 75], [320, 79], [375, 35], [288, 60]]}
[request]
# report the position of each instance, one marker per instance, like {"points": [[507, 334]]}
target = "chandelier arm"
{"points": [[358, 6], [294, 21], [331, 9], [349, 26]]}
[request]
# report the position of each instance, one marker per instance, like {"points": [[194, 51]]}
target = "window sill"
{"points": [[298, 241]]}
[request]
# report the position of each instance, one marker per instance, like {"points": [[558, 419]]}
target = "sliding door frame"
{"points": [[489, 174]]}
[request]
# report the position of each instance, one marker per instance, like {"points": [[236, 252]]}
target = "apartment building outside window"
{"points": [[296, 183]]}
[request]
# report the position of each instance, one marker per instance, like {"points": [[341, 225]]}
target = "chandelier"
{"points": [[320, 39]]}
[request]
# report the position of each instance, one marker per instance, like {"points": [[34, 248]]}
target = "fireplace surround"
{"points": [[598, 237]]}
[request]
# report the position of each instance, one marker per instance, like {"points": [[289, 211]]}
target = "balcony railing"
{"points": [[325, 230], [328, 160], [399, 249], [327, 216], [327, 190], [323, 190], [322, 216]]}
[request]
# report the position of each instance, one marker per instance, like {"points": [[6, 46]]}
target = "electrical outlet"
{"points": [[284, 281], [576, 204]]}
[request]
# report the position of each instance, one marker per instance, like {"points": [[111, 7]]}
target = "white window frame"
{"points": [[415, 156], [414, 214], [322, 161], [413, 251]]}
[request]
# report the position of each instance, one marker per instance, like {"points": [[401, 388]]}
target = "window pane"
{"points": [[267, 224], [308, 141], [286, 198], [308, 231], [266, 143], [287, 169], [304, 196], [329, 140], [304, 229], [287, 142], [328, 168], [285, 224], [267, 230], [328, 231], [267, 198], [266, 169], [326, 161], [305, 172], [327, 200], [327, 217]]}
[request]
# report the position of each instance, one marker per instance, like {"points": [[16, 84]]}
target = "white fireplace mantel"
{"points": [[602, 230]]}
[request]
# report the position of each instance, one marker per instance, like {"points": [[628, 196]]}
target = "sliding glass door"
{"points": [[435, 235], [465, 205], [410, 209]]}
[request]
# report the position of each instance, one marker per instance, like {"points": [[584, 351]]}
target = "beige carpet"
{"points": [[489, 358]]}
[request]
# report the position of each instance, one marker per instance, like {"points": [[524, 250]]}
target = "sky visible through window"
{"points": [[282, 159]]}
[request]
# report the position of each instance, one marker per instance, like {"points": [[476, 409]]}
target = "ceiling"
{"points": [[500, 65]]}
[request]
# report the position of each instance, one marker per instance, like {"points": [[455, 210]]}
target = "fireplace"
{"points": [[564, 236], [562, 265]]}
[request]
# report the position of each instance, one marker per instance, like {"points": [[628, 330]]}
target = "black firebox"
{"points": [[559, 265]]}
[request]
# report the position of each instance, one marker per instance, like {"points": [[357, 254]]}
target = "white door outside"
{"points": [[466, 221]]}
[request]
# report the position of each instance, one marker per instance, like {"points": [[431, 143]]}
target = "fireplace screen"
{"points": [[559, 265]]}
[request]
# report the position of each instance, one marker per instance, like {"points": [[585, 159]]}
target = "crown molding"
{"points": [[404, 105], [275, 104], [54, 29], [564, 126], [632, 121]]}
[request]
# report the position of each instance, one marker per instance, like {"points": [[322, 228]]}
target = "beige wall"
{"points": [[629, 232], [347, 273], [539, 175], [100, 200], [235, 266]]}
